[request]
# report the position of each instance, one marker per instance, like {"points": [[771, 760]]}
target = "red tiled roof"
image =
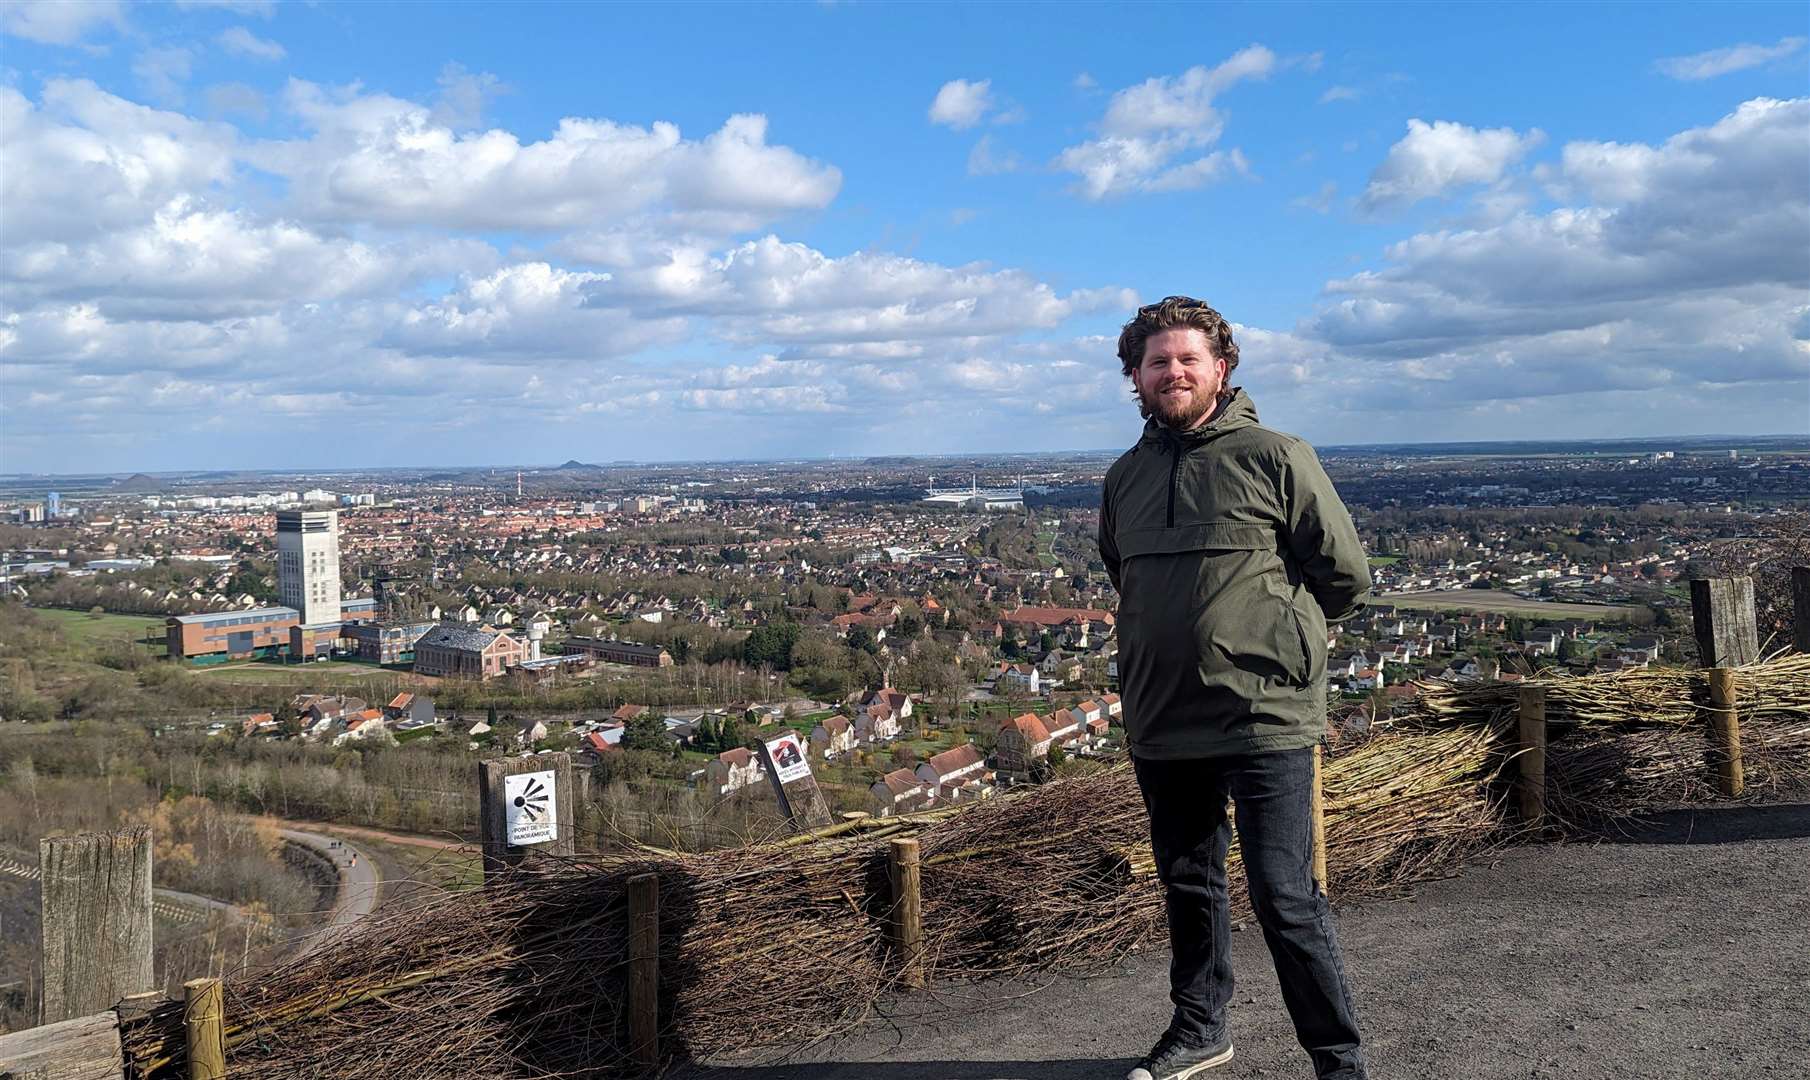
{"points": [[955, 760], [1029, 726], [901, 782]]}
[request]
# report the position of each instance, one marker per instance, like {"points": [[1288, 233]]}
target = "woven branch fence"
{"points": [[775, 944]]}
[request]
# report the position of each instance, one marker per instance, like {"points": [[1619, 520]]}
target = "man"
{"points": [[1231, 553]]}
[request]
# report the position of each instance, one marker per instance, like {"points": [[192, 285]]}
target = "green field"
{"points": [[283, 674], [1505, 603], [83, 628], [1384, 560]]}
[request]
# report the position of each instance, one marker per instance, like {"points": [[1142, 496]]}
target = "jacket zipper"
{"points": [[1175, 469]]}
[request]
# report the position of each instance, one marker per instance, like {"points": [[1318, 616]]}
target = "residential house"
{"points": [[876, 724], [1022, 740], [900, 792], [835, 735], [1024, 678], [733, 770], [410, 711], [960, 773], [363, 726], [530, 732]]}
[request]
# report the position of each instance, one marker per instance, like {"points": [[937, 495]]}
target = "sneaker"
{"points": [[1173, 1059]]}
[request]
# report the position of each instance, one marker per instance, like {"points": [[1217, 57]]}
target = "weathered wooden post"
{"points": [[1722, 620], [1725, 732], [1800, 608], [907, 911], [644, 969], [789, 771], [524, 805], [96, 912], [1319, 821], [1531, 789], [204, 1028]]}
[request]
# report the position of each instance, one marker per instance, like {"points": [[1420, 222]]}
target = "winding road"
{"points": [[360, 881]]}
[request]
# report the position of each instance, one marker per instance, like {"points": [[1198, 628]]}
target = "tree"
{"points": [[904, 757], [646, 732], [860, 637], [771, 646]]}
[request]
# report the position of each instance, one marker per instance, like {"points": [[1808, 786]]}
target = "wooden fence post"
{"points": [[204, 1028], [1725, 732], [907, 911], [1319, 822], [1722, 620], [644, 969], [96, 912], [1800, 608], [533, 813], [1531, 715]]}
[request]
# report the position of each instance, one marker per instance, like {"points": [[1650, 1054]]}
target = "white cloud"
{"points": [[983, 160], [236, 99], [152, 280], [526, 313], [1084, 81], [191, 261], [1338, 93], [162, 72], [59, 22], [239, 41], [1715, 62], [1690, 269], [1320, 202], [1148, 126], [463, 96], [961, 104], [263, 9], [1433, 159], [792, 293], [378, 158], [83, 161]]}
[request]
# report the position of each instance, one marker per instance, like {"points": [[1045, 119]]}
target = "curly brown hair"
{"points": [[1167, 314]]}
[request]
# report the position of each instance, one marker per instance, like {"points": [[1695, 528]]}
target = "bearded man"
{"points": [[1231, 553]]}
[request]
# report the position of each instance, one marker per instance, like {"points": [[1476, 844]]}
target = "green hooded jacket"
{"points": [[1231, 553]]}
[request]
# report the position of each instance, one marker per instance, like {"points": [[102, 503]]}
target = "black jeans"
{"points": [[1189, 834]]}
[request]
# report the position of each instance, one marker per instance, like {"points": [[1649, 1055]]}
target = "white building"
{"points": [[308, 564]]}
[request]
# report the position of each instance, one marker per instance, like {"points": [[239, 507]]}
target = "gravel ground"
{"points": [[1683, 951]]}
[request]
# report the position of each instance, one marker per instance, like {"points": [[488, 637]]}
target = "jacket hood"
{"points": [[1238, 412]]}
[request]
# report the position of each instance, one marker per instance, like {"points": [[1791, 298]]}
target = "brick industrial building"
{"points": [[459, 650], [619, 652]]}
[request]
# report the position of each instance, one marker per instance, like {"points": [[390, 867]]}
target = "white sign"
{"points": [[530, 810], [788, 758]]}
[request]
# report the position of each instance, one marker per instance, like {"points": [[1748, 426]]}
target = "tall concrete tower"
{"points": [[308, 564]]}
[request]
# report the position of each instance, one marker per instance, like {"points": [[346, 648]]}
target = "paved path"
{"points": [[1682, 953], [359, 883]]}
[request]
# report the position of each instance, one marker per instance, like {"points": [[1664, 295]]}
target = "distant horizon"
{"points": [[628, 462]]}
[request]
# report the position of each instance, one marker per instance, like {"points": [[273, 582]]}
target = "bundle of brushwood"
{"points": [[776, 943], [779, 943], [1626, 744]]}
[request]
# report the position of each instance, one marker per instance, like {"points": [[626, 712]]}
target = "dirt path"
{"points": [[1684, 953]]}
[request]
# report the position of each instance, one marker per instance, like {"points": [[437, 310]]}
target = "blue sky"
{"points": [[288, 235]]}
